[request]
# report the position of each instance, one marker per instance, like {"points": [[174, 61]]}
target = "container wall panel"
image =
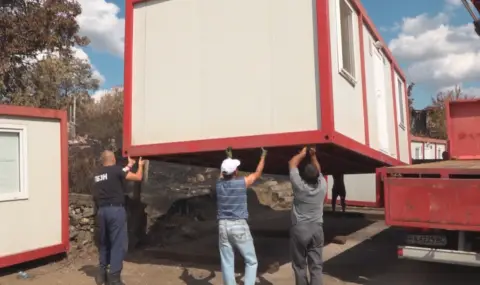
{"points": [[216, 69], [347, 93]]}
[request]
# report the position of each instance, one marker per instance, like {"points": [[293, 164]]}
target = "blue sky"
{"points": [[429, 38]]}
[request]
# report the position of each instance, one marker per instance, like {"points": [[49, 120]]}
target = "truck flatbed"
{"points": [[442, 168]]}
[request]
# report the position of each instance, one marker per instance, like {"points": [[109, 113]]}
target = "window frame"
{"points": [[401, 108], [349, 76], [417, 153], [23, 194]]}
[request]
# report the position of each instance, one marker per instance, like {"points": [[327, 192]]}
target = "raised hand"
{"points": [[264, 152], [131, 161], [228, 152]]}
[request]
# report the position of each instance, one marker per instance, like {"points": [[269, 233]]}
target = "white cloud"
{"points": [[81, 54], [469, 91], [453, 3], [100, 22], [437, 53], [78, 53]]}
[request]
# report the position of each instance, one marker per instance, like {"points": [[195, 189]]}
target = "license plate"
{"points": [[427, 240]]}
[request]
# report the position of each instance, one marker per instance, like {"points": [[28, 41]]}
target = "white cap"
{"points": [[229, 165]]}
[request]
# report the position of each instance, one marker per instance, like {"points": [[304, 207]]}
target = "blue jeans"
{"points": [[112, 222], [236, 233]]}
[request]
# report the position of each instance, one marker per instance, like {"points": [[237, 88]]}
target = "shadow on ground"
{"points": [[375, 262], [27, 266], [270, 230]]}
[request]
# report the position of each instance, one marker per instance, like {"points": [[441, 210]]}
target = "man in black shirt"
{"points": [[109, 196]]}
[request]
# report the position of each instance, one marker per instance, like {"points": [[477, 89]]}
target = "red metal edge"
{"points": [[127, 80], [61, 115], [383, 192], [449, 124], [295, 138], [325, 68], [10, 260], [350, 143], [379, 191], [364, 81]]}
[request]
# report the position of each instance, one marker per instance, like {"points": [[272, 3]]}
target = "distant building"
{"points": [[421, 123]]}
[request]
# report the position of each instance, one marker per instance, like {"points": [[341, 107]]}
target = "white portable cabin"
{"points": [[362, 190], [33, 184], [427, 148], [204, 75]]}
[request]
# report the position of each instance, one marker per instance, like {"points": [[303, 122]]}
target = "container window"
{"points": [[13, 184], [417, 153], [401, 103], [346, 43]]}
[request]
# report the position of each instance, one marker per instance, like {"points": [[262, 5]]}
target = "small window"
{"points": [[13, 184], [417, 153], [439, 153], [346, 42], [401, 103]]}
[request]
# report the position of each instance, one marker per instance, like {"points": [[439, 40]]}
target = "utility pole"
{"points": [[72, 122]]}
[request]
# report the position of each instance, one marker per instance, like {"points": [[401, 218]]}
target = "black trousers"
{"points": [[306, 246], [112, 222]]}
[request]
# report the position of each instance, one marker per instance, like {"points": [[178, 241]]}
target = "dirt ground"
{"points": [[368, 257]]}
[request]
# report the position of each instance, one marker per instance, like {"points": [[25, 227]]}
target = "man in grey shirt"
{"points": [[306, 233]]}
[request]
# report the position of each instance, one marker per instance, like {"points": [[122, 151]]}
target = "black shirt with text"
{"points": [[109, 185]]}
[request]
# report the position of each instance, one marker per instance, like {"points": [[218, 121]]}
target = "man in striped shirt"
{"points": [[232, 215]]}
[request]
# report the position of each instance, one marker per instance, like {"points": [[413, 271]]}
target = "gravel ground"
{"points": [[364, 259]]}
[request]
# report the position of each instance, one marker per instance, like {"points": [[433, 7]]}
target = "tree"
{"points": [[31, 28], [55, 82], [102, 120], [409, 95], [437, 115]]}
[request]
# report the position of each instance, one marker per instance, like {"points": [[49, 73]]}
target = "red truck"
{"points": [[438, 203]]}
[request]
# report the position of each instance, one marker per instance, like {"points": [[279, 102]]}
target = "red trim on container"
{"points": [[127, 83], [325, 68], [10, 260], [59, 115]]}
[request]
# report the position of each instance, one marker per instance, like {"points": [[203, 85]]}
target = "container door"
{"points": [[382, 118], [429, 151]]}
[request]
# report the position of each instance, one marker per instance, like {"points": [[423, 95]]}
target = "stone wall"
{"points": [[167, 214], [82, 220]]}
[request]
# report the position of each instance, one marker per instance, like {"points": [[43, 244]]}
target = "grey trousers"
{"points": [[306, 245]]}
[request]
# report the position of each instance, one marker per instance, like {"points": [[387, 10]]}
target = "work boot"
{"points": [[101, 277], [115, 279]]}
